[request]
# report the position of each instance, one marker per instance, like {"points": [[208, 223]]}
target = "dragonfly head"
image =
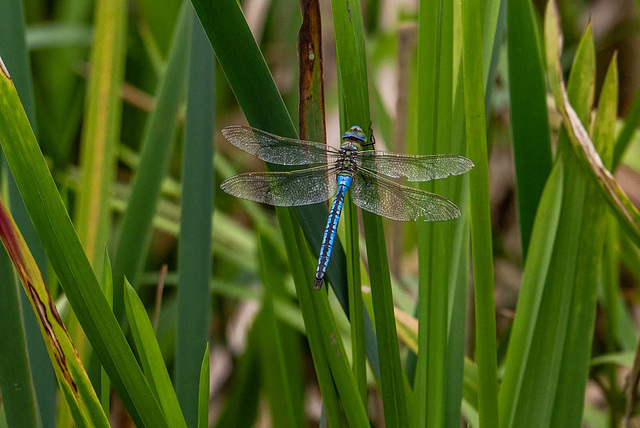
{"points": [[354, 136]]}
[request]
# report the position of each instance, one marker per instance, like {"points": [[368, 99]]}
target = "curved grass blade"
{"points": [[481, 242], [194, 247], [609, 189], [547, 388], [100, 137], [573, 374], [151, 357], [67, 257], [135, 233], [14, 51], [73, 380], [529, 118]]}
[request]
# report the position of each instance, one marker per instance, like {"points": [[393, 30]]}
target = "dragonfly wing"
{"points": [[415, 168], [279, 150], [285, 189], [384, 197]]}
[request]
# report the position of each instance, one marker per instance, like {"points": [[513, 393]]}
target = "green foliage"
{"points": [[125, 144]]}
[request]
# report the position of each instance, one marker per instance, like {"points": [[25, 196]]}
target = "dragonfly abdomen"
{"points": [[344, 181]]}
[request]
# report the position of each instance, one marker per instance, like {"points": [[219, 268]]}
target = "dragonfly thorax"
{"points": [[346, 162]]}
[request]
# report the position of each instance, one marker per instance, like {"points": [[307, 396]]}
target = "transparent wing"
{"points": [[279, 150], [415, 168], [382, 196], [285, 189]]}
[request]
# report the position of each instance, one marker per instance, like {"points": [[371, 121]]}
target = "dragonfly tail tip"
{"points": [[317, 283]]}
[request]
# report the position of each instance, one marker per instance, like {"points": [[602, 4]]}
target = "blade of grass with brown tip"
{"points": [[14, 50], [624, 210], [16, 383], [76, 388], [67, 257]]}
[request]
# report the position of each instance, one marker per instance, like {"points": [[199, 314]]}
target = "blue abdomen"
{"points": [[344, 181]]}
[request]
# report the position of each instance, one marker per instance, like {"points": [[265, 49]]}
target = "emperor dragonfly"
{"points": [[336, 172]]}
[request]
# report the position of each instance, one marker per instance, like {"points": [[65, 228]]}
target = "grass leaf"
{"points": [[135, 233], [529, 118], [203, 391], [481, 243], [351, 58], [536, 271], [194, 247], [74, 383], [151, 357], [67, 257], [101, 128], [16, 382], [606, 184]]}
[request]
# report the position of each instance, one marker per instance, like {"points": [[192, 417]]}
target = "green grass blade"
{"points": [[151, 357], [60, 89], [194, 247], [626, 212], [547, 388], [67, 257], [135, 233], [481, 243], [203, 391], [630, 125], [349, 34], [278, 371], [435, 135], [459, 269], [529, 118], [107, 288], [16, 383], [536, 271], [301, 267], [14, 52], [160, 20], [574, 372], [101, 129], [74, 383], [489, 28]]}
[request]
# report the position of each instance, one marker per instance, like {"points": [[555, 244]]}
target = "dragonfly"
{"points": [[332, 172]]}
